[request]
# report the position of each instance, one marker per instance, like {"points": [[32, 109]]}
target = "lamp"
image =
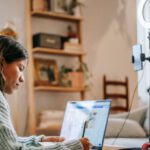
{"points": [[141, 18]]}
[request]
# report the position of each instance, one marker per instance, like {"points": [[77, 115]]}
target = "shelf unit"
{"points": [[58, 89], [32, 121], [56, 16], [58, 52]]}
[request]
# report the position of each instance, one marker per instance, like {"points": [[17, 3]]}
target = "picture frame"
{"points": [[46, 72]]}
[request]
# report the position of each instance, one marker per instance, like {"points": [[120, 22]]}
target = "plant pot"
{"points": [[76, 79]]}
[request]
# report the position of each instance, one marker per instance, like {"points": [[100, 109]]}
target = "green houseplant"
{"points": [[77, 77]]}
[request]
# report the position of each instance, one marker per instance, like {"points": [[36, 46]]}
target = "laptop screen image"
{"points": [[86, 119]]}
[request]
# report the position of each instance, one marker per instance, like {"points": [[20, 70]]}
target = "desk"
{"points": [[111, 147]]}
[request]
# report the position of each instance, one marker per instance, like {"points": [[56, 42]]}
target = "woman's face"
{"points": [[13, 75]]}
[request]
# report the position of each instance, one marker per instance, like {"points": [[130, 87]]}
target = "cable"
{"points": [[128, 113], [133, 99]]}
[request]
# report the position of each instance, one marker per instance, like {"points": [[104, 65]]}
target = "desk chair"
{"points": [[117, 91]]}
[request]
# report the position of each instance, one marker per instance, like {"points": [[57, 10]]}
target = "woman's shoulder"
{"points": [[2, 97]]}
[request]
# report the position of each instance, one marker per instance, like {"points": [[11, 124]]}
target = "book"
{"points": [[68, 46]]}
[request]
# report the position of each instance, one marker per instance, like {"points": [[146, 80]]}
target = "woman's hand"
{"points": [[52, 139], [86, 144]]}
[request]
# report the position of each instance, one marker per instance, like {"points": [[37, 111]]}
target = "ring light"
{"points": [[141, 6]]}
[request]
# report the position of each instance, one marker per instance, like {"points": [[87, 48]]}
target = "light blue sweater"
{"points": [[10, 141]]}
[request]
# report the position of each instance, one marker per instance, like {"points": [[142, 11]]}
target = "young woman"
{"points": [[13, 61]]}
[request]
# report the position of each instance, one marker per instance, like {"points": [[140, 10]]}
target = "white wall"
{"points": [[109, 33], [14, 11]]}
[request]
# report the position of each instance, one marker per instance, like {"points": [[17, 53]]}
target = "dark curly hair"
{"points": [[11, 51]]}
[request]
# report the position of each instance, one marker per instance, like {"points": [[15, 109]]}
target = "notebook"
{"points": [[86, 119]]}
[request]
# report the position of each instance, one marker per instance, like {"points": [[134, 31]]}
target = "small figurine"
{"points": [[73, 37]]}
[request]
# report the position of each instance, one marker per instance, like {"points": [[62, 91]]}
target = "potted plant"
{"points": [[73, 6], [64, 81], [76, 77]]}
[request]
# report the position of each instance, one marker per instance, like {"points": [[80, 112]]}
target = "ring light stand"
{"points": [[146, 25]]}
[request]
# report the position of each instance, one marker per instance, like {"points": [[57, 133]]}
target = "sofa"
{"points": [[128, 129]]}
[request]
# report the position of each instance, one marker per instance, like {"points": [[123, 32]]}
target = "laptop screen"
{"points": [[86, 119]]}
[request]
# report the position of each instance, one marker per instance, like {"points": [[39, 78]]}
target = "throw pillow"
{"points": [[130, 129], [137, 114]]}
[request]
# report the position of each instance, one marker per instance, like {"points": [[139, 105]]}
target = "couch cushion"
{"points": [[138, 114], [129, 128], [126, 142]]}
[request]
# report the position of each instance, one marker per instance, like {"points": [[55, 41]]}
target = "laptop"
{"points": [[86, 119]]}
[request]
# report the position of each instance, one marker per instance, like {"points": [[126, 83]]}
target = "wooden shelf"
{"points": [[57, 52], [57, 16], [58, 89], [66, 19]]}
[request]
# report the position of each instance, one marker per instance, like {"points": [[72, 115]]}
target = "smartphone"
{"points": [[136, 57]]}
